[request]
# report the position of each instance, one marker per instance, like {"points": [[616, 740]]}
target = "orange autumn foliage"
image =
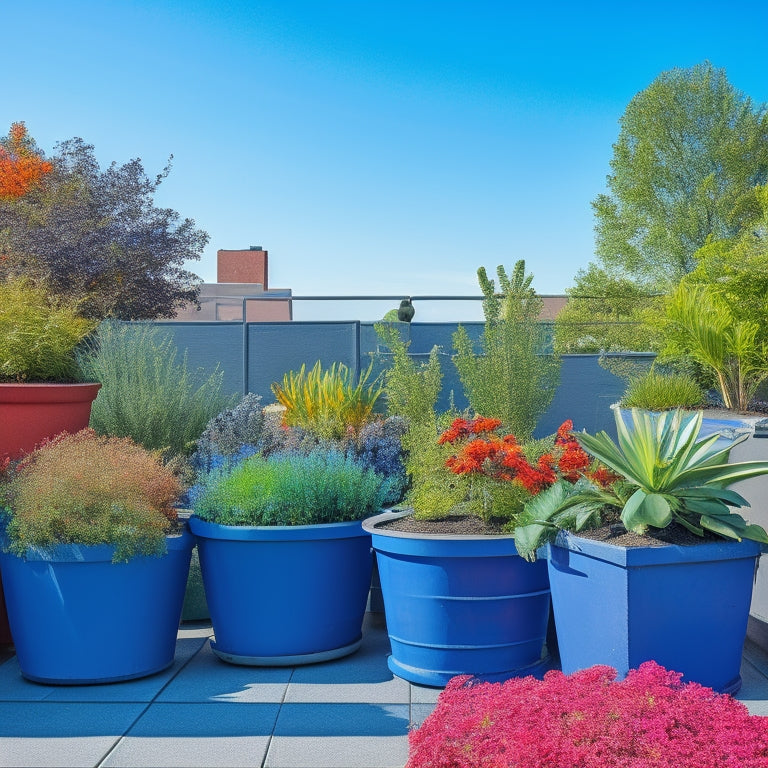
{"points": [[21, 168]]}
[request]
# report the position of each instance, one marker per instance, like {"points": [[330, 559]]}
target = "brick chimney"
{"points": [[246, 266]]}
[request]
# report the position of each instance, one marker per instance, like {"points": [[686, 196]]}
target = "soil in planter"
{"points": [[616, 533], [453, 525]]}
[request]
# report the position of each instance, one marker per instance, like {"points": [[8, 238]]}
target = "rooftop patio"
{"points": [[349, 713]]}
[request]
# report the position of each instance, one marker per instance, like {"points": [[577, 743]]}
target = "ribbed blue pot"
{"points": [[284, 595], [685, 607], [458, 605], [77, 617]]}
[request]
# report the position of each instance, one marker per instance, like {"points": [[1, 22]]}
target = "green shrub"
{"points": [[291, 489], [148, 393], [38, 335], [512, 378], [88, 489], [329, 402], [655, 391]]}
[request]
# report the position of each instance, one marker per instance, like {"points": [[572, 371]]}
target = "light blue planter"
{"points": [[685, 607], [458, 605], [77, 617], [284, 595]]}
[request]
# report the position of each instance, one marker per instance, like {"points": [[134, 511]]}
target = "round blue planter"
{"points": [[78, 618], [458, 605], [284, 595], [684, 607]]}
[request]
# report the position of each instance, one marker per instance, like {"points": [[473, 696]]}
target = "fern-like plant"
{"points": [[87, 489], [328, 402], [702, 327], [38, 334], [511, 378], [412, 391], [148, 393]]}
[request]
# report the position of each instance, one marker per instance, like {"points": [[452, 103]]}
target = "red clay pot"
{"points": [[30, 413]]}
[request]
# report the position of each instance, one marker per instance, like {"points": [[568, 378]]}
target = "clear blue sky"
{"points": [[371, 147]]}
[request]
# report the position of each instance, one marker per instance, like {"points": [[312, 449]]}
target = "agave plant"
{"points": [[665, 474]]}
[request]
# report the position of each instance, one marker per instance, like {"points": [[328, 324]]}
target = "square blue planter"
{"points": [[685, 607]]}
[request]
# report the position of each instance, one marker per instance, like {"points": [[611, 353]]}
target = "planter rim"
{"points": [[93, 553], [656, 555], [740, 423], [435, 544], [370, 523], [206, 529], [48, 392]]}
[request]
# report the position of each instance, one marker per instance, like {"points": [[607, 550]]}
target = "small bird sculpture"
{"points": [[406, 311]]}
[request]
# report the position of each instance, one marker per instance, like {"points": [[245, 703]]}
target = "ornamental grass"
{"points": [[589, 720]]}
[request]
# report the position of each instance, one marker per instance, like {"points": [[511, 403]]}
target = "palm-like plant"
{"points": [[666, 474]]}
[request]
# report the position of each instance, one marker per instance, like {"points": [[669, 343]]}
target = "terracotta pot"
{"points": [[30, 413]]}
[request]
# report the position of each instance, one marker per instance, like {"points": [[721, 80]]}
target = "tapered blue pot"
{"points": [[78, 618], [284, 595], [685, 607], [458, 605]]}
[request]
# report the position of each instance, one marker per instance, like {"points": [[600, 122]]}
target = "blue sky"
{"points": [[371, 147]]}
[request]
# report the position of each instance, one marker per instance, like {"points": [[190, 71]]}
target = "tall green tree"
{"points": [[606, 313], [690, 150], [97, 237]]}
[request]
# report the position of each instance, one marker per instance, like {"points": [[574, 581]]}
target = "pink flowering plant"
{"points": [[589, 720]]}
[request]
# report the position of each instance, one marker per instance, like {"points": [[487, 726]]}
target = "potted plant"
{"points": [[94, 562], [40, 395], [667, 576], [285, 562], [40, 391], [589, 719]]}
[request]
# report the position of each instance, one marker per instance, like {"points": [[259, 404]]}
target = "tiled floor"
{"points": [[202, 712], [350, 713]]}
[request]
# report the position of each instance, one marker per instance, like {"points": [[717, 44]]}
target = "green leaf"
{"points": [[721, 526], [756, 533]]}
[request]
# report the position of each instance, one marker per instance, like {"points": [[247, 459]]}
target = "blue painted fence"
{"points": [[261, 353]]}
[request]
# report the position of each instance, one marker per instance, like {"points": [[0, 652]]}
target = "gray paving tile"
{"points": [[422, 694], [419, 713], [13, 687], [61, 734], [206, 678], [340, 736], [192, 735], [338, 752], [754, 689]]}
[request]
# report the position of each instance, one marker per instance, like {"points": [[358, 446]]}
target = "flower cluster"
{"points": [[589, 720], [487, 454]]}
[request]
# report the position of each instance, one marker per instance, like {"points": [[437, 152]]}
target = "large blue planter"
{"points": [[77, 617], [685, 607], [459, 605], [284, 595]]}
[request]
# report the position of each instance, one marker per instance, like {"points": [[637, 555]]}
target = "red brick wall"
{"points": [[242, 267]]}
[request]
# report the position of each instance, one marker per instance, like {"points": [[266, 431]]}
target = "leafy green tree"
{"points": [[690, 150], [96, 236], [606, 313], [511, 378], [736, 269]]}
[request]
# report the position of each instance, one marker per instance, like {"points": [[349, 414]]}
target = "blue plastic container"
{"points": [[284, 595], [685, 607], [77, 617], [460, 605]]}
